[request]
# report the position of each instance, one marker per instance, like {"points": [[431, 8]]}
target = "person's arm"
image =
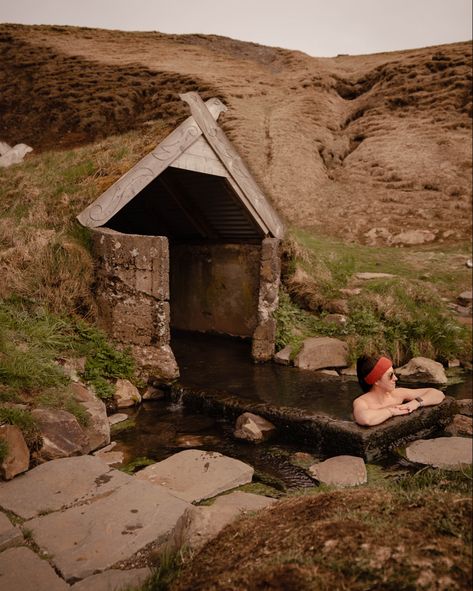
{"points": [[418, 397], [368, 417]]}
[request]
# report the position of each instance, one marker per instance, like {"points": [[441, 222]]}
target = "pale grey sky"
{"points": [[317, 27]]}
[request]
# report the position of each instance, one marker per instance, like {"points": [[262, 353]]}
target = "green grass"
{"points": [[403, 316], [24, 420], [32, 339]]}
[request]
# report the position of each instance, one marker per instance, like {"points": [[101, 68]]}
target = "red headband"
{"points": [[381, 367]]}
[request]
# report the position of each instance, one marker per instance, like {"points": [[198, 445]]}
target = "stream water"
{"points": [[209, 362]]}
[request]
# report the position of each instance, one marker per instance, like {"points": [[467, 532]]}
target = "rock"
{"points": [[10, 535], [114, 580], [412, 237], [348, 291], [337, 319], [348, 371], [14, 155], [283, 357], [4, 148], [194, 475], [195, 440], [453, 363], [371, 276], [449, 453], [98, 429], [322, 352], [62, 435], [118, 417], [198, 525], [337, 307], [30, 572], [340, 471], [465, 298], [17, 459], [465, 406], [112, 458], [158, 362], [254, 428], [153, 393], [461, 426], [469, 263], [126, 394], [72, 367], [58, 483], [86, 539], [376, 235], [327, 372], [421, 369]]}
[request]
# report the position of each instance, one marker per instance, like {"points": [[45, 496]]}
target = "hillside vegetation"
{"points": [[367, 159]]}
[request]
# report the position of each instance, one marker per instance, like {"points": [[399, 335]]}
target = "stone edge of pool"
{"points": [[323, 433]]}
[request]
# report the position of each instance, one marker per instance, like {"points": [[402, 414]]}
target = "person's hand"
{"points": [[409, 406], [399, 410]]}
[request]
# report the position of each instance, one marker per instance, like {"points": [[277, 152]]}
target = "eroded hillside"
{"points": [[366, 148]]}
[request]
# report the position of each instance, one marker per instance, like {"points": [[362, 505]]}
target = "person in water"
{"points": [[381, 399]]}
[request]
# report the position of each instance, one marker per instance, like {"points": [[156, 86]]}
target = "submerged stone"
{"points": [[340, 471]]}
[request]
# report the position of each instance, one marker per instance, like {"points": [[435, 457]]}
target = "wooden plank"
{"points": [[148, 168], [254, 199], [200, 158]]}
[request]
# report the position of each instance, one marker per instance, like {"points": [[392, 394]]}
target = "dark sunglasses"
{"points": [[391, 375]]}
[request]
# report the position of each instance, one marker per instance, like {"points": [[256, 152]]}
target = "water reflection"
{"points": [[223, 363]]}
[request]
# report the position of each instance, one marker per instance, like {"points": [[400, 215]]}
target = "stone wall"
{"points": [[132, 293], [215, 287], [268, 298]]}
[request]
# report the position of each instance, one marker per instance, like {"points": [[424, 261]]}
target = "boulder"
{"points": [[461, 426], [198, 525], [195, 475], [322, 352], [283, 357], [158, 362], [4, 148], [98, 428], [17, 459], [412, 237], [465, 406], [421, 369], [116, 418], [449, 453], [126, 394], [254, 428], [340, 471], [465, 298], [14, 155], [62, 435]]}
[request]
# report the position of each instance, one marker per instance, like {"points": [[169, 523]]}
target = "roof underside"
{"points": [[187, 205]]}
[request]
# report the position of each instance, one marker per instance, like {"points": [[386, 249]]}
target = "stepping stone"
{"points": [[10, 535], [449, 453], [199, 524], [58, 483], [23, 570], [90, 538], [114, 580], [194, 475], [340, 471]]}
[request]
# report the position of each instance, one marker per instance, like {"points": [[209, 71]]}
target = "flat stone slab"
{"points": [[59, 483], [442, 452], [10, 535], [87, 539], [194, 475], [340, 471], [114, 580], [23, 570]]}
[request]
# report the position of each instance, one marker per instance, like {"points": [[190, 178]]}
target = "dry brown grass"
{"points": [[342, 145]]}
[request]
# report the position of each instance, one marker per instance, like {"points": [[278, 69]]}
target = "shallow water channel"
{"points": [[214, 363]]}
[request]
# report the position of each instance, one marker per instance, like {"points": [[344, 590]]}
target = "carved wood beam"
{"points": [[148, 168], [254, 199]]}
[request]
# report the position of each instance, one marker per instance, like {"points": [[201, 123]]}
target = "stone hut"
{"points": [[186, 239]]}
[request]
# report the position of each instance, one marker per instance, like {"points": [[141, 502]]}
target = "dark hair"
{"points": [[364, 365]]}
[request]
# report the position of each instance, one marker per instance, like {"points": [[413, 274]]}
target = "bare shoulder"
{"points": [[360, 402]]}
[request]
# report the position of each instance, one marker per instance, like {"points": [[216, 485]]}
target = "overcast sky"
{"points": [[317, 27]]}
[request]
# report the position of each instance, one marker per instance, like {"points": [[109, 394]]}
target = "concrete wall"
{"points": [[132, 294], [215, 288]]}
